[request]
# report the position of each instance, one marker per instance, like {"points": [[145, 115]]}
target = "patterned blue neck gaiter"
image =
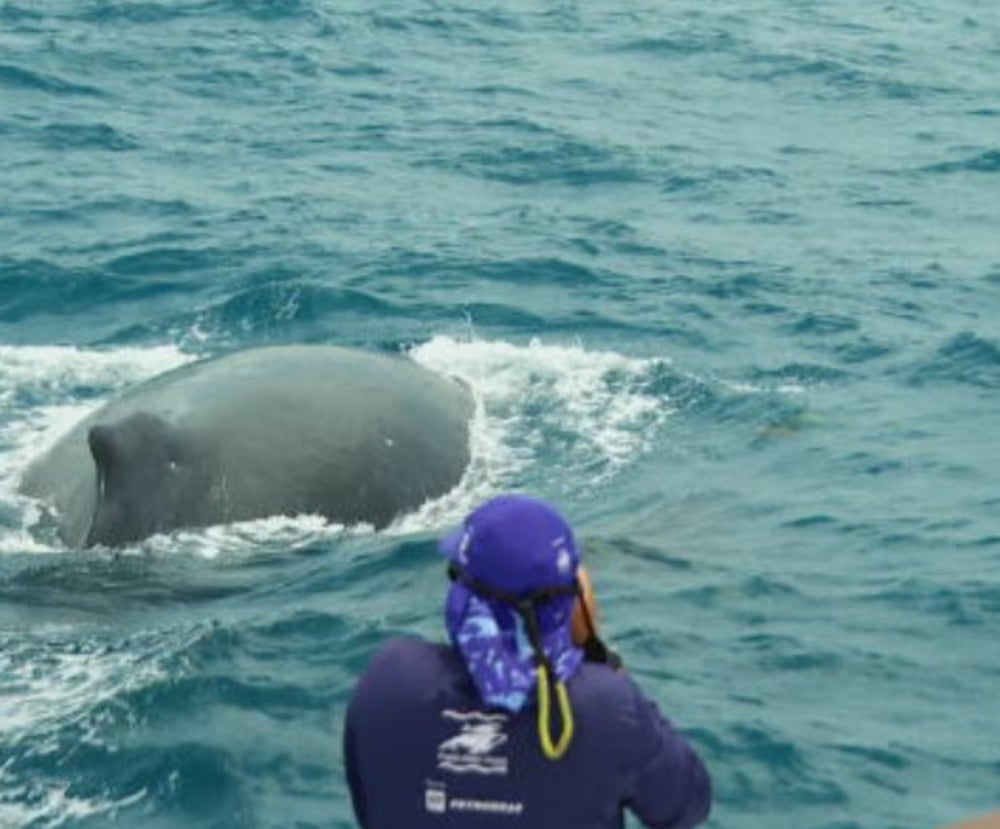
{"points": [[493, 641]]}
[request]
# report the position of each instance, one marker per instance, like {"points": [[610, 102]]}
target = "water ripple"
{"points": [[967, 358], [17, 78], [987, 161]]}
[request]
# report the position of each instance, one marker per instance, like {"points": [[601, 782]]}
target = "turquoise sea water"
{"points": [[724, 277]]}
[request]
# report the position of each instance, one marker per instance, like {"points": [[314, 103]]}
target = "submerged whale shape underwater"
{"points": [[355, 436]]}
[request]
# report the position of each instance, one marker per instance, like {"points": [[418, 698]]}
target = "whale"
{"points": [[355, 436]]}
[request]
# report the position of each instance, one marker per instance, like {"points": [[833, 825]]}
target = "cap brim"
{"points": [[451, 543]]}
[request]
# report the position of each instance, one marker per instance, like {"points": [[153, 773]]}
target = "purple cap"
{"points": [[516, 544]]}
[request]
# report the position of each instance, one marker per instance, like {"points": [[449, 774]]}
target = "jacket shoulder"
{"points": [[410, 671], [407, 655], [603, 687]]}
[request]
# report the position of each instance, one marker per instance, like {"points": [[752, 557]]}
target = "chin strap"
{"points": [[554, 751]]}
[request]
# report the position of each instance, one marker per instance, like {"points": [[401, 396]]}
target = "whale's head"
{"points": [[150, 479]]}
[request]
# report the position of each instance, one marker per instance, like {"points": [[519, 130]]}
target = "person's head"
{"points": [[519, 545], [516, 544], [515, 568]]}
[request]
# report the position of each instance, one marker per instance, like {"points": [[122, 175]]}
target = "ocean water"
{"points": [[724, 278]]}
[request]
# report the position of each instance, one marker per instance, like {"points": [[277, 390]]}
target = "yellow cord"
{"points": [[557, 750]]}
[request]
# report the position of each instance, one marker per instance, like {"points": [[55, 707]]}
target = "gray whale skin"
{"points": [[352, 435]]}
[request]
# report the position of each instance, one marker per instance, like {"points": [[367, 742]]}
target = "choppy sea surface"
{"points": [[724, 278]]}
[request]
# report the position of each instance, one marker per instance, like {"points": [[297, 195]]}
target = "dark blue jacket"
{"points": [[422, 752]]}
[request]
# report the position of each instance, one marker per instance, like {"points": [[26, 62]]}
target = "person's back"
{"points": [[422, 751], [524, 719]]}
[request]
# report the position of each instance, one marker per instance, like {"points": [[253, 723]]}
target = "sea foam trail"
{"points": [[593, 410]]}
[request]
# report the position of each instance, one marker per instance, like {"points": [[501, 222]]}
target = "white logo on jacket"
{"points": [[471, 750]]}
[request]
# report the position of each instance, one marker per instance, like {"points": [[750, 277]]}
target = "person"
{"points": [[526, 719]]}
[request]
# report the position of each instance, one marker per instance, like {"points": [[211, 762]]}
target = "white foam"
{"points": [[61, 688], [591, 408], [281, 532], [49, 804], [54, 371], [789, 389]]}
